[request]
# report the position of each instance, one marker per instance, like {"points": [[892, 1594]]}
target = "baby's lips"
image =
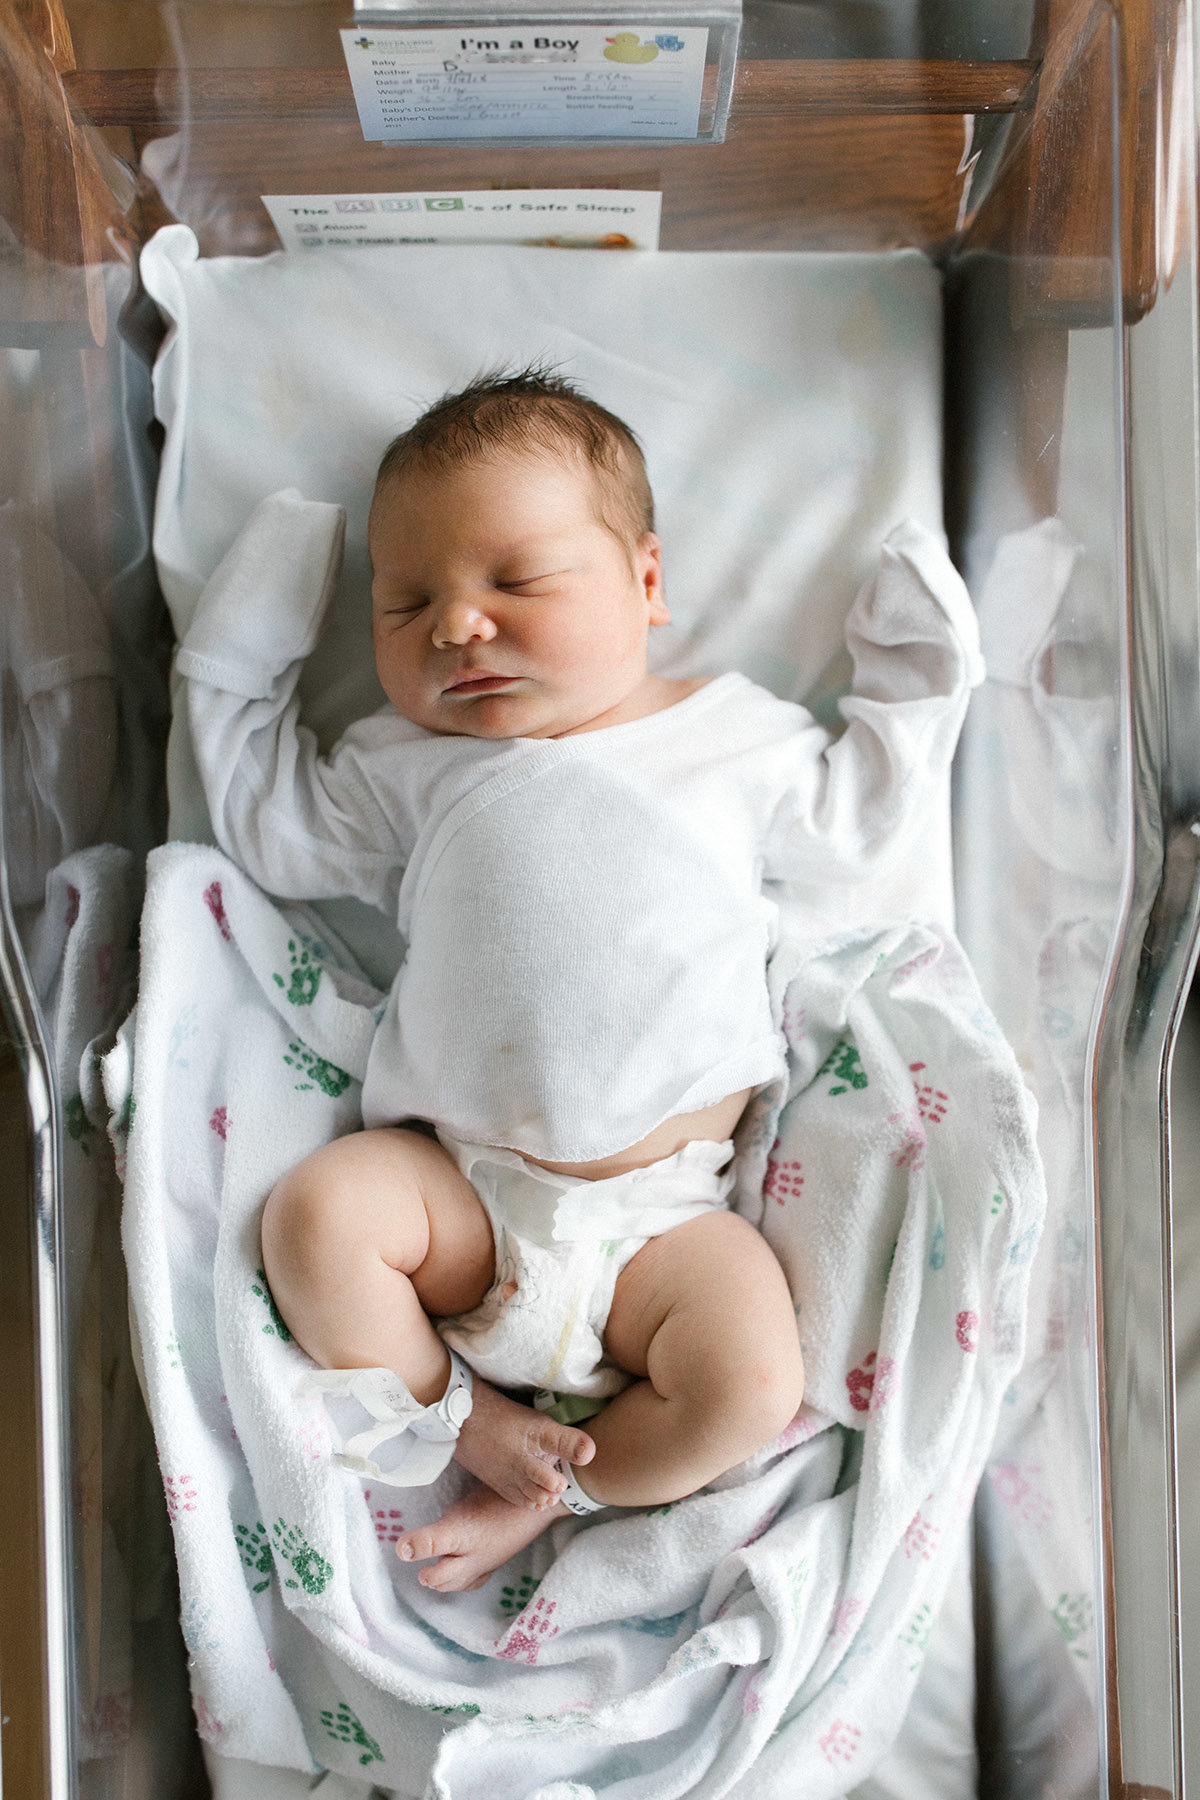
{"points": [[468, 677]]}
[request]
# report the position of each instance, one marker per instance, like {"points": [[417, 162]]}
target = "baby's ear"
{"points": [[648, 563]]}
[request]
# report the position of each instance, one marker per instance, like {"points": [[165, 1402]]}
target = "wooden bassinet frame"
{"points": [[821, 154]]}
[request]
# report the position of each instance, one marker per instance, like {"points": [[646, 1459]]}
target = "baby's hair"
{"points": [[531, 409]]}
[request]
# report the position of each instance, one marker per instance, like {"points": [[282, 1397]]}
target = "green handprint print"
{"points": [[516, 1599], [79, 1126], [1073, 1616], [325, 1075], [275, 1326], [255, 1550], [916, 1633], [345, 1727], [845, 1064], [311, 1570], [305, 976]]}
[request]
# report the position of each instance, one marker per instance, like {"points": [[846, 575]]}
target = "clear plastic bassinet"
{"points": [[1042, 154]]}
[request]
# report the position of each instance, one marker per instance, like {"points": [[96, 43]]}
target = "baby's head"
{"points": [[516, 570]]}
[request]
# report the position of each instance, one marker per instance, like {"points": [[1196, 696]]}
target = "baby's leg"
{"points": [[704, 1315], [366, 1238], [363, 1240]]}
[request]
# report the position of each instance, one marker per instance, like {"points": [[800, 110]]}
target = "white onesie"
{"points": [[588, 919]]}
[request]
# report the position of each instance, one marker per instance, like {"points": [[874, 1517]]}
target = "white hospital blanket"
{"points": [[760, 1639]]}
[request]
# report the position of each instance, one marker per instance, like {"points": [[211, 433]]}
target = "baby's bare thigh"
{"points": [[395, 1194], [709, 1293]]}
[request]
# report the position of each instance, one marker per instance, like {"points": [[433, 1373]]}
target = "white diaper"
{"points": [[561, 1242]]}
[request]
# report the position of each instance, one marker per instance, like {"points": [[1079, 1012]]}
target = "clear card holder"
{"points": [[577, 72]]}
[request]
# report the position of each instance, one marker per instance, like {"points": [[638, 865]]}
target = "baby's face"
{"points": [[503, 606]]}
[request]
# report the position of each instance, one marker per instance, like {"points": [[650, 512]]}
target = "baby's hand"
{"points": [[516, 1450]]}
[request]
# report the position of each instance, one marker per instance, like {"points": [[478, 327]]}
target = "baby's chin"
{"points": [[491, 716], [508, 715]]}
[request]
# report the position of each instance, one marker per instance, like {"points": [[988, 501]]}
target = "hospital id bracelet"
{"points": [[574, 1498], [454, 1407]]}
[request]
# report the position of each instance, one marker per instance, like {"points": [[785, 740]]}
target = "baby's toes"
{"points": [[571, 1445], [458, 1574], [449, 1576], [541, 1493], [542, 1480], [415, 1545]]}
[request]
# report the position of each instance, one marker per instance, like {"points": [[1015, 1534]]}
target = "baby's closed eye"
{"points": [[530, 584]]}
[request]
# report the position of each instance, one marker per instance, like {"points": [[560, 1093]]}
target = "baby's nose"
{"points": [[458, 620]]}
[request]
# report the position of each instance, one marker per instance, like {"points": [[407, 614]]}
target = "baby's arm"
{"points": [[848, 802], [300, 824]]}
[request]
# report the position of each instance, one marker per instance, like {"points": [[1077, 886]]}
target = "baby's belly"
{"points": [[714, 1122]]}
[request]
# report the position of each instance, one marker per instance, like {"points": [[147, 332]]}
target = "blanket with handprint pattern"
{"points": [[761, 1638]]}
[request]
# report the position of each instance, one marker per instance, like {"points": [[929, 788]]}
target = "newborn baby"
{"points": [[580, 856]]}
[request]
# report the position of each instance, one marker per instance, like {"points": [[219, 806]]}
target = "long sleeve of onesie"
{"points": [[914, 639], [301, 824]]}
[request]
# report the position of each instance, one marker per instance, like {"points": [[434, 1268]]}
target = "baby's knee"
{"points": [[310, 1212], [357, 1200], [743, 1389], [775, 1389], [756, 1366], [759, 1391], [299, 1223]]}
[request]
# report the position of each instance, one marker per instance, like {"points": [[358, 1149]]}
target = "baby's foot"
{"points": [[516, 1450], [473, 1539]]}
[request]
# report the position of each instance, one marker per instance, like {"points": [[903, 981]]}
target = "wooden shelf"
{"points": [[145, 98], [836, 86]]}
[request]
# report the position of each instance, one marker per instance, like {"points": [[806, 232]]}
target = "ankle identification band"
{"points": [[574, 1498], [422, 1437]]}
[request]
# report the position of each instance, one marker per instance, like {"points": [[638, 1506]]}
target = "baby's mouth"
{"points": [[478, 681]]}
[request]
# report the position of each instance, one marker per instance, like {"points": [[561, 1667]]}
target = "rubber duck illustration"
{"points": [[625, 48]]}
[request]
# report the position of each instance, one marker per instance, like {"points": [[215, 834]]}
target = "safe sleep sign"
{"points": [[524, 81], [554, 218]]}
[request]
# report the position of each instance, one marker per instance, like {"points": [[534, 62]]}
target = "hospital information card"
{"points": [[527, 81], [559, 218]]}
